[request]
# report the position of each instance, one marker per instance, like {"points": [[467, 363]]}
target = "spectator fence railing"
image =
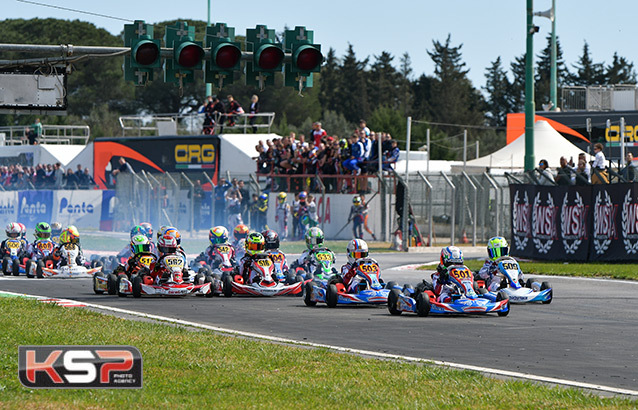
{"points": [[51, 134]]}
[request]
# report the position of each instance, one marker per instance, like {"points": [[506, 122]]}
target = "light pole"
{"points": [[529, 89], [209, 86], [551, 15]]}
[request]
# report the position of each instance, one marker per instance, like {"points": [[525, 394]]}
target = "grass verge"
{"points": [[591, 270], [184, 369]]}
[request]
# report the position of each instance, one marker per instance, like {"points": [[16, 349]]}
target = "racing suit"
{"points": [[159, 272], [356, 216], [489, 273], [4, 250], [60, 261], [32, 250], [305, 260], [442, 285], [132, 264], [349, 274], [245, 268], [212, 259], [281, 217]]}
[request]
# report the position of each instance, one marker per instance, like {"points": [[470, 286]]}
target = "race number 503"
{"points": [[80, 367]]}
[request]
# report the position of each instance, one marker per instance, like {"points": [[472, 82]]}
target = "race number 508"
{"points": [[80, 367]]}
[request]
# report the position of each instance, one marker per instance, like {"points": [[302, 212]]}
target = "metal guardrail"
{"points": [[51, 134], [190, 124]]}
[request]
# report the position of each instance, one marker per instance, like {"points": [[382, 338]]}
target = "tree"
{"points": [[543, 70], [587, 72], [406, 96], [517, 92], [498, 88], [330, 82], [620, 71], [352, 96], [384, 83]]}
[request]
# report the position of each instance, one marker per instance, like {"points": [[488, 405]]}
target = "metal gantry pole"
{"points": [[530, 107], [430, 200], [453, 201], [464, 149], [427, 138], [475, 210]]}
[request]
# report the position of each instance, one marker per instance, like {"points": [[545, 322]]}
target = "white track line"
{"points": [[498, 372]]}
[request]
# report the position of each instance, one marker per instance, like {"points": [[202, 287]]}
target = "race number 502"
{"points": [[80, 367]]}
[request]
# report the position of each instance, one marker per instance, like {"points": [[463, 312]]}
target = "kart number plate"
{"points": [[223, 249], [69, 246], [172, 262], [146, 261], [264, 262], [510, 266], [13, 244], [45, 246], [369, 268], [277, 257], [324, 257], [461, 274]]}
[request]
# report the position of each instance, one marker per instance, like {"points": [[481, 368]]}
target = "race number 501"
{"points": [[80, 367]]}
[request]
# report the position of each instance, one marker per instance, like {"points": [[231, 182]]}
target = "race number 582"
{"points": [[80, 367]]}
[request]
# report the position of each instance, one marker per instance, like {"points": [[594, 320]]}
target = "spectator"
{"points": [[85, 178], [391, 156], [599, 173], [209, 116], [71, 180], [582, 171], [317, 133], [245, 199], [220, 201], [233, 207], [58, 176], [234, 108], [218, 114], [37, 127], [630, 172], [546, 177], [31, 135], [254, 109], [587, 170], [363, 128], [564, 173]]}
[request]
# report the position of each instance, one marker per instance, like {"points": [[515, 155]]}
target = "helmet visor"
{"points": [[254, 246], [43, 235], [359, 254], [142, 248]]}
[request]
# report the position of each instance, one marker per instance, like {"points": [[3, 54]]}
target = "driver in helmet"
{"points": [[255, 245], [23, 236], [56, 230], [240, 233], [167, 245], [140, 247], [172, 231], [149, 234], [497, 249], [282, 213], [272, 247], [357, 249], [314, 241], [450, 256], [126, 252], [70, 235], [13, 231], [217, 236], [42, 235]]}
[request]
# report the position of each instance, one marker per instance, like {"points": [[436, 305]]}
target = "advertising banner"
{"points": [[34, 207], [577, 223], [107, 210], [8, 207], [82, 208]]}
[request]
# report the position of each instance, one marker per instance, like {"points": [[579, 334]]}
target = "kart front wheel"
{"points": [[501, 295], [546, 285], [209, 279], [111, 284], [38, 270], [118, 281], [307, 299], [6, 261], [137, 286], [391, 285], [15, 268], [227, 286], [422, 304], [393, 300], [95, 288], [28, 267], [332, 296], [530, 282]]}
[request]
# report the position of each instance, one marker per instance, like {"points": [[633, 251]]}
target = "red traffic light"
{"points": [[308, 59], [270, 58], [146, 53], [189, 55], [227, 56]]}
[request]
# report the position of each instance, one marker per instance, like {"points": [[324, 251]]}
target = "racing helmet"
{"points": [[497, 247], [218, 235], [23, 230], [140, 244], [167, 244], [302, 196], [451, 255], [356, 200], [240, 232], [149, 230], [263, 196], [281, 197], [73, 235], [255, 243], [137, 230], [13, 230], [272, 239], [314, 238], [357, 249], [174, 233], [42, 230], [161, 231]]}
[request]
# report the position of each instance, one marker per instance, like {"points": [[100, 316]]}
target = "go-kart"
{"points": [[42, 257], [69, 252], [531, 291], [14, 259], [464, 300], [320, 265], [369, 288], [262, 284], [223, 260], [103, 282], [282, 272], [172, 282]]}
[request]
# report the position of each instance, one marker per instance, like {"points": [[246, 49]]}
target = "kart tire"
{"points": [[27, 268], [334, 271], [200, 278], [423, 286], [393, 299], [336, 279], [501, 295], [111, 284], [6, 261], [299, 278], [227, 286], [332, 296], [209, 279], [98, 264], [310, 276], [529, 282], [290, 278], [482, 291], [391, 284], [407, 289], [308, 293], [95, 289], [546, 285], [117, 285], [422, 304], [137, 286], [38, 270]]}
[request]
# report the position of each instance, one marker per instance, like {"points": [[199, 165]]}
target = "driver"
{"points": [[357, 250], [126, 252], [255, 245], [497, 249], [140, 247], [166, 245], [450, 256], [13, 231], [217, 236], [42, 234], [314, 241], [70, 235], [56, 230]]}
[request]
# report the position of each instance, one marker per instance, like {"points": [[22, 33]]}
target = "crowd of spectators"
{"points": [[327, 155], [49, 176], [586, 173]]}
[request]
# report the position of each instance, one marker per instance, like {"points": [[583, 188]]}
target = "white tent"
{"points": [[548, 145]]}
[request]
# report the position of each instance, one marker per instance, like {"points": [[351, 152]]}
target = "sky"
{"points": [[486, 29]]}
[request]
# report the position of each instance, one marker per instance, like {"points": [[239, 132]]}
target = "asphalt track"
{"points": [[588, 334]]}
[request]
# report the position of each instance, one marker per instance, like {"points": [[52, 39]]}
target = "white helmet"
{"points": [[357, 249], [13, 230]]}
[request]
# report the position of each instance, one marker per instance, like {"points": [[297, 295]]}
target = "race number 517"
{"points": [[80, 367]]}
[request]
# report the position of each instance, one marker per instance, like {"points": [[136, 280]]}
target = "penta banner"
{"points": [[575, 223]]}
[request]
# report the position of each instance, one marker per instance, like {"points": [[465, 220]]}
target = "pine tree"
{"points": [[620, 71], [352, 96], [330, 82], [587, 72], [517, 92], [384, 81], [543, 70], [405, 90], [499, 102]]}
